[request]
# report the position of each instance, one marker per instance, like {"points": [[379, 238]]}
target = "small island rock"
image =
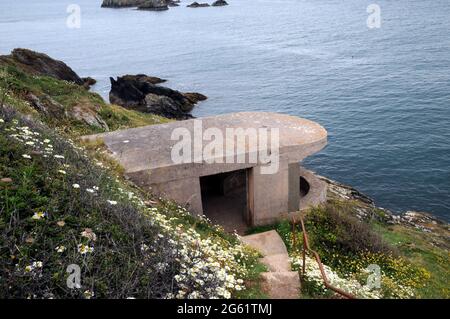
{"points": [[219, 3], [197, 5], [154, 5]]}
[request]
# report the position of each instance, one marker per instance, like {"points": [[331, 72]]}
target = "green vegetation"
{"points": [[60, 102], [58, 208], [417, 248], [411, 266]]}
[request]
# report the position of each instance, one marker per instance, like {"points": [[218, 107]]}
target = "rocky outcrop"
{"points": [[88, 116], [47, 106], [41, 64], [194, 97], [197, 5], [173, 3], [219, 3], [88, 82], [154, 5], [44, 104], [141, 92], [122, 3]]}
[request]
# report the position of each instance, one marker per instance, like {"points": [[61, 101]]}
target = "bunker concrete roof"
{"points": [[149, 148]]}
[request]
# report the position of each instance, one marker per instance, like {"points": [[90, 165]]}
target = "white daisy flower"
{"points": [[60, 249], [38, 215], [85, 249]]}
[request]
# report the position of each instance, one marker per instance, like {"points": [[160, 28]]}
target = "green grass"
{"points": [[253, 283], [36, 185], [416, 247]]}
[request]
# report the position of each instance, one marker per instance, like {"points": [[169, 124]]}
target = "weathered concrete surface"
{"points": [[267, 243], [276, 263], [317, 190], [279, 282], [281, 285], [149, 147]]}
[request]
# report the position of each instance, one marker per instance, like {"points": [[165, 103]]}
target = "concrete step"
{"points": [[277, 263], [281, 285], [279, 282], [267, 243]]}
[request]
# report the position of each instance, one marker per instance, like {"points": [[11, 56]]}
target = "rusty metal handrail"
{"points": [[306, 248]]}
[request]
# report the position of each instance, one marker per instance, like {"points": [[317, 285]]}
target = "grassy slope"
{"points": [[116, 268], [18, 83], [417, 248]]}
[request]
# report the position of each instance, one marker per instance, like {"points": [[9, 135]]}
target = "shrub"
{"points": [[333, 229]]}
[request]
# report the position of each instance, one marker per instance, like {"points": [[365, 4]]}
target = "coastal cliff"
{"points": [[63, 200]]}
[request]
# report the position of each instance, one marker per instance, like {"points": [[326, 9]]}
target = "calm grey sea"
{"points": [[382, 94]]}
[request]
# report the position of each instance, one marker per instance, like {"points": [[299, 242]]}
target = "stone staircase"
{"points": [[279, 282]]}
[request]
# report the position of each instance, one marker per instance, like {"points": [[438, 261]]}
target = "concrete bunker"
{"points": [[225, 199], [145, 153]]}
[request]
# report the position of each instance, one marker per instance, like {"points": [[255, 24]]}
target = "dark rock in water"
{"points": [[173, 3], [194, 97], [41, 64], [141, 92], [122, 3], [165, 106], [154, 5], [219, 3], [144, 78], [197, 5]]}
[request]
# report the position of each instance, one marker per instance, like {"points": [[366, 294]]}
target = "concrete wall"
{"points": [[294, 187], [270, 194], [185, 192]]}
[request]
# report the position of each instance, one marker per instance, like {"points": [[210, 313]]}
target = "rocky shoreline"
{"points": [[138, 92]]}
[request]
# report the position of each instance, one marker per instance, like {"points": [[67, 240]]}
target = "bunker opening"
{"points": [[304, 187], [225, 200]]}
